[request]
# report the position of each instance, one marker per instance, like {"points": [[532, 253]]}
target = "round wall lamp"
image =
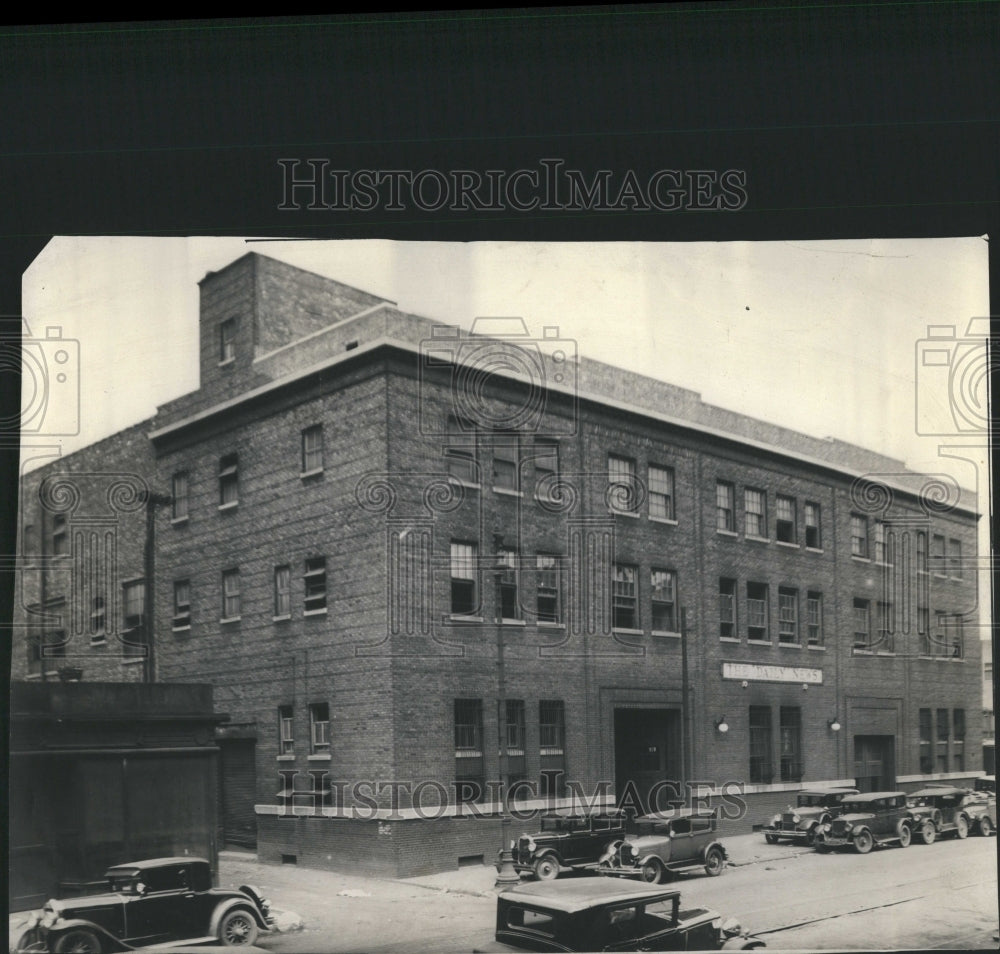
{"points": [[834, 724], [722, 726]]}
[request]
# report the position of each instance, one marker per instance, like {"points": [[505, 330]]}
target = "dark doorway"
{"points": [[647, 756], [237, 792], [875, 763]]}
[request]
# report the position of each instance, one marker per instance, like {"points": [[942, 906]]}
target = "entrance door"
{"points": [[237, 792], [874, 763], [648, 752]]}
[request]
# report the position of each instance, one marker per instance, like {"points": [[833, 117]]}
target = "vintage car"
{"points": [[874, 818], [981, 807], [567, 840], [163, 901], [938, 811], [598, 914], [986, 783], [665, 842], [814, 807]]}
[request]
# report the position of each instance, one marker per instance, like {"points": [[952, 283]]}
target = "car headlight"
{"points": [[796, 819], [776, 820], [49, 917], [731, 927], [513, 844], [531, 845]]}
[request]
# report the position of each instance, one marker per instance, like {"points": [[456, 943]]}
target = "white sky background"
{"points": [[820, 337]]}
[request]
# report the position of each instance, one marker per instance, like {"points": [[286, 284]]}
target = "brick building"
{"points": [[368, 509]]}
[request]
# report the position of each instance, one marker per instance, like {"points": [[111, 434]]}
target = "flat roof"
{"points": [[580, 893], [872, 796]]}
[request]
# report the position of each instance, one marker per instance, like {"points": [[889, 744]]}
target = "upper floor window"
{"points": [[510, 606], [727, 608], [312, 449], [229, 480], [955, 559], [937, 555], [464, 576], [622, 495], [661, 493], [624, 597], [231, 594], [757, 614], [227, 340], [725, 507], [182, 604], [814, 618], [663, 599], [859, 536], [282, 591], [886, 622], [179, 496], [547, 601], [785, 526], [315, 585], [862, 625], [98, 621], [756, 512], [60, 545], [319, 727], [788, 615], [462, 453], [286, 731], [506, 460], [133, 604], [882, 544], [814, 536], [921, 552]]}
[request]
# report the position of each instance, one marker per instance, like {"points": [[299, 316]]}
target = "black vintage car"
{"points": [[870, 819], [163, 901], [939, 810], [567, 840], [814, 807], [602, 914]]}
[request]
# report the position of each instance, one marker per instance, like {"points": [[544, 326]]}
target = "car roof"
{"points": [[133, 867], [570, 813], [678, 813], [873, 796], [578, 894], [833, 789], [941, 790]]}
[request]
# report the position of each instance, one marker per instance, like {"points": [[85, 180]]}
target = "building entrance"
{"points": [[648, 755], [875, 763]]}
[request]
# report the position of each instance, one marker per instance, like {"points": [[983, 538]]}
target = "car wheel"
{"points": [[962, 827], [811, 836], [928, 833], [238, 928], [78, 941], [652, 871], [905, 835], [546, 868], [985, 827], [714, 862], [771, 839], [863, 842]]}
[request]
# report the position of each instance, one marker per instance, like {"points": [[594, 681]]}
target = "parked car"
{"points": [[814, 807], [567, 840], [665, 842], [598, 914], [986, 783], [981, 807], [163, 901], [874, 818], [939, 811]]}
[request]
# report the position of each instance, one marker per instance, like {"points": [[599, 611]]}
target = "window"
{"points": [[59, 539], [312, 449], [947, 639], [624, 598], [514, 735], [282, 591], [725, 516], [182, 604], [98, 621], [622, 496], [661, 493], [227, 340], [727, 608], [546, 466], [510, 605], [859, 536], [884, 642], [760, 744], [791, 743], [461, 454], [315, 581], [551, 745], [882, 551], [757, 622], [469, 775], [814, 535], [547, 597], [926, 759], [788, 615], [814, 618], [464, 591], [663, 598], [921, 552], [229, 483], [506, 461], [785, 528], [231, 594], [862, 625], [319, 728], [133, 604], [179, 496], [958, 740], [943, 734], [955, 559], [755, 502], [938, 567], [286, 731]]}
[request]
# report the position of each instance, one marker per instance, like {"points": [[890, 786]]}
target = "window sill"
{"points": [[548, 624], [311, 473], [730, 639], [665, 632], [319, 757], [785, 645], [631, 514], [227, 362], [286, 758], [756, 539], [132, 660], [315, 612], [814, 549], [758, 642], [281, 619], [787, 543], [508, 491], [229, 506], [178, 521], [726, 533], [667, 520], [231, 619], [98, 640], [884, 564], [956, 579], [464, 483], [464, 618], [512, 622], [181, 629], [816, 649], [861, 652], [860, 559], [621, 630]]}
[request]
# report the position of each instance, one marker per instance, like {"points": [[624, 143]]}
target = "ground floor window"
{"points": [[760, 744]]}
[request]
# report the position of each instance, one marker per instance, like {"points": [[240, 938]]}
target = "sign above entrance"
{"points": [[754, 672]]}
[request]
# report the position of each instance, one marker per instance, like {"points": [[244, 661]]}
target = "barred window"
{"points": [[788, 615], [661, 492], [756, 512], [761, 770], [757, 621], [468, 723], [551, 745], [725, 518], [814, 613]]}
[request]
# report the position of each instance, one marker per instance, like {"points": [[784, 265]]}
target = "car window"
{"points": [[542, 922], [701, 825], [810, 801], [165, 879], [681, 826], [123, 885], [622, 923]]}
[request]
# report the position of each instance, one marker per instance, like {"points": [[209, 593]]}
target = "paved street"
{"points": [[921, 897]]}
